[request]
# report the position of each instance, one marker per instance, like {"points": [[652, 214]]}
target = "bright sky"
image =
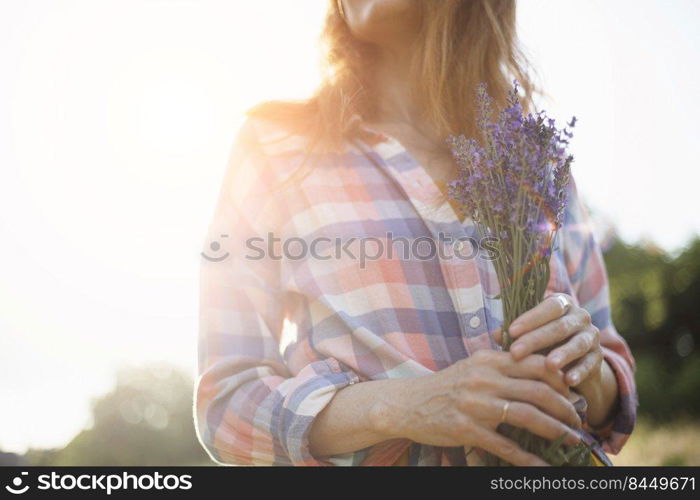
{"points": [[116, 118]]}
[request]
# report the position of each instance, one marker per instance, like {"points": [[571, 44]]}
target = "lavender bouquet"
{"points": [[513, 184]]}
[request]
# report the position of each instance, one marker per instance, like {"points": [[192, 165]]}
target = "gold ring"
{"points": [[504, 413], [565, 303]]}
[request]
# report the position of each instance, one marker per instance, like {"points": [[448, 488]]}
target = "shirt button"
{"points": [[474, 322]]}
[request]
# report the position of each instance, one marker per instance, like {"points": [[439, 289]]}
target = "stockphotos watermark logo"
{"points": [[363, 249], [17, 486], [104, 483]]}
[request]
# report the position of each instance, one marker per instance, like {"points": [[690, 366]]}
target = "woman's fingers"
{"points": [[528, 417], [539, 395], [505, 448], [575, 348], [549, 334], [534, 367], [548, 310], [590, 363]]}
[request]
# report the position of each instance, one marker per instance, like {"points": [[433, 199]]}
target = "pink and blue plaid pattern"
{"points": [[258, 393]]}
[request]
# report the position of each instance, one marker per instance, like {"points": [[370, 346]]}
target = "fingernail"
{"points": [[556, 359], [574, 438], [574, 378]]}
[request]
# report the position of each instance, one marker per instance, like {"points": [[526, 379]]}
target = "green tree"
{"points": [[145, 420], [655, 299]]}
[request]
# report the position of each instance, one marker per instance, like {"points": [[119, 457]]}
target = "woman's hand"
{"points": [[463, 404], [557, 324]]}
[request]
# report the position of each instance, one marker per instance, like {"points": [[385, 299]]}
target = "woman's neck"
{"points": [[400, 116], [391, 83], [399, 111]]}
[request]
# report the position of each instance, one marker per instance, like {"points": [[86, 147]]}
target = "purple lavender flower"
{"points": [[518, 173], [513, 183]]}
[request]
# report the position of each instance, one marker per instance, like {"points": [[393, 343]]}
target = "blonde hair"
{"points": [[461, 44]]}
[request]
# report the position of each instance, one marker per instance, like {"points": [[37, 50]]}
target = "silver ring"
{"points": [[565, 303]]}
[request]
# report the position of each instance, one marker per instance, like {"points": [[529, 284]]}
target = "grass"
{"points": [[676, 443]]}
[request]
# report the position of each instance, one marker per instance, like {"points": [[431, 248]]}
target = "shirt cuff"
{"points": [[307, 395], [614, 434]]}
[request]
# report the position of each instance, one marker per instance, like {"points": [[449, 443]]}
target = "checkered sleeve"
{"points": [[586, 269], [249, 407]]}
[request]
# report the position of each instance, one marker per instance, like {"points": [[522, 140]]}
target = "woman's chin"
{"points": [[380, 21]]}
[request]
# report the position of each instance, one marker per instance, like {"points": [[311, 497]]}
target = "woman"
{"points": [[396, 360]]}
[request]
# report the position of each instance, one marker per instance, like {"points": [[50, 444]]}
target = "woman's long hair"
{"points": [[461, 44]]}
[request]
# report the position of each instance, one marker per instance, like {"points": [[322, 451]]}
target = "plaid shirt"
{"points": [[356, 319]]}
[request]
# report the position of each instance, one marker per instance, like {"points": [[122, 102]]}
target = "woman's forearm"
{"points": [[350, 421], [456, 406], [601, 394]]}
